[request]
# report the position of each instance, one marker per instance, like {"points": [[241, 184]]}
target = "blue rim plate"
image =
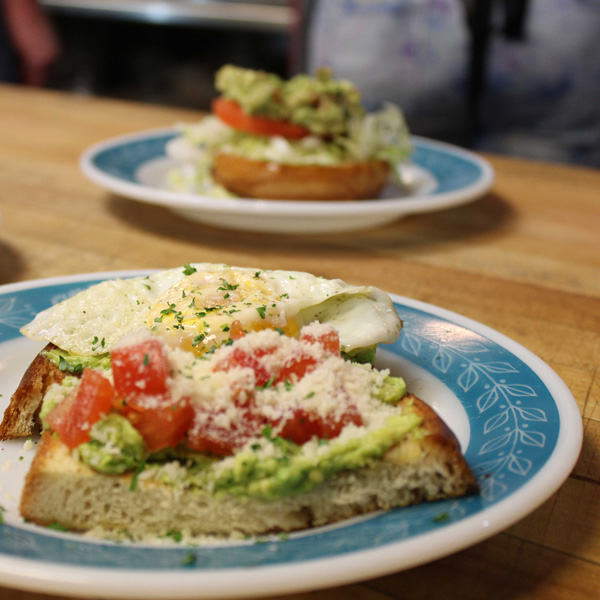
{"points": [[518, 425], [440, 176]]}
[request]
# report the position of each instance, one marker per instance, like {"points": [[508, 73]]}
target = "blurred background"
{"points": [[519, 77]]}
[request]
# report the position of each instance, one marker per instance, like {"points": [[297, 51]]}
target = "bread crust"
{"points": [[20, 417], [272, 181], [59, 488]]}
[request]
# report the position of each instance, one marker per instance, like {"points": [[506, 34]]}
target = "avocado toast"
{"points": [[284, 434]]}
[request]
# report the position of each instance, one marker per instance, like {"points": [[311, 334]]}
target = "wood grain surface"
{"points": [[524, 259]]}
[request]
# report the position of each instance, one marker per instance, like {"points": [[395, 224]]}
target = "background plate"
{"points": [[440, 176], [517, 422]]}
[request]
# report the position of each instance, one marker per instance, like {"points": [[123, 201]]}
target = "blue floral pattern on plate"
{"points": [[514, 424]]}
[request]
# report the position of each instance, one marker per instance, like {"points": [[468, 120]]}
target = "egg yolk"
{"points": [[196, 314]]}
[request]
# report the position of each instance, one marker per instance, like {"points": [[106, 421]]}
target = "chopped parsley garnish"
{"points": [[134, 479], [57, 526], [226, 286], [266, 385], [261, 310], [442, 517], [189, 559], [198, 339], [267, 431], [63, 365], [175, 535], [188, 269]]}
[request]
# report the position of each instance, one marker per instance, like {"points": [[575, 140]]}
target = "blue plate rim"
{"points": [[251, 206]]}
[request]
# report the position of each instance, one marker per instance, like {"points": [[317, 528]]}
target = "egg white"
{"points": [[194, 307]]}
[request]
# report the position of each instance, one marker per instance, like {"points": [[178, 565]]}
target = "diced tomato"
{"points": [[304, 425], [161, 422], [140, 373], [240, 358], [236, 330], [140, 370], [73, 418], [231, 113], [296, 366], [330, 341], [208, 435]]}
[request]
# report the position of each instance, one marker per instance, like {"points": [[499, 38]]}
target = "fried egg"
{"points": [[195, 307]]}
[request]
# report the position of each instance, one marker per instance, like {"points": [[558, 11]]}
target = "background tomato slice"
{"points": [[73, 418], [231, 113]]}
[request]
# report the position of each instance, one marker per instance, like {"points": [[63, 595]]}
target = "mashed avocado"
{"points": [[294, 472], [392, 390], [322, 104], [74, 363], [115, 446]]}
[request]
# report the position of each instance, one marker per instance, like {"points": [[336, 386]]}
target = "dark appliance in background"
{"points": [[165, 51]]}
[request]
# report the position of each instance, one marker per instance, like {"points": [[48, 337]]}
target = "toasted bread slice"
{"points": [[21, 414], [261, 179], [61, 489]]}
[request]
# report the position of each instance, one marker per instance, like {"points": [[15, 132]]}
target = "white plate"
{"points": [[517, 422], [440, 176]]}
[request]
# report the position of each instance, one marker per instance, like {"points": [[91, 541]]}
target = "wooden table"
{"points": [[524, 260]]}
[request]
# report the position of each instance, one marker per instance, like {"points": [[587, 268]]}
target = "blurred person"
{"points": [[520, 77], [29, 45]]}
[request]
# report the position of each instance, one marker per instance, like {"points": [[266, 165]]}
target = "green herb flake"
{"points": [[189, 560], [442, 517], [261, 310], [226, 286], [134, 479], [63, 365], [266, 385], [188, 269], [198, 340], [175, 535], [267, 432]]}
